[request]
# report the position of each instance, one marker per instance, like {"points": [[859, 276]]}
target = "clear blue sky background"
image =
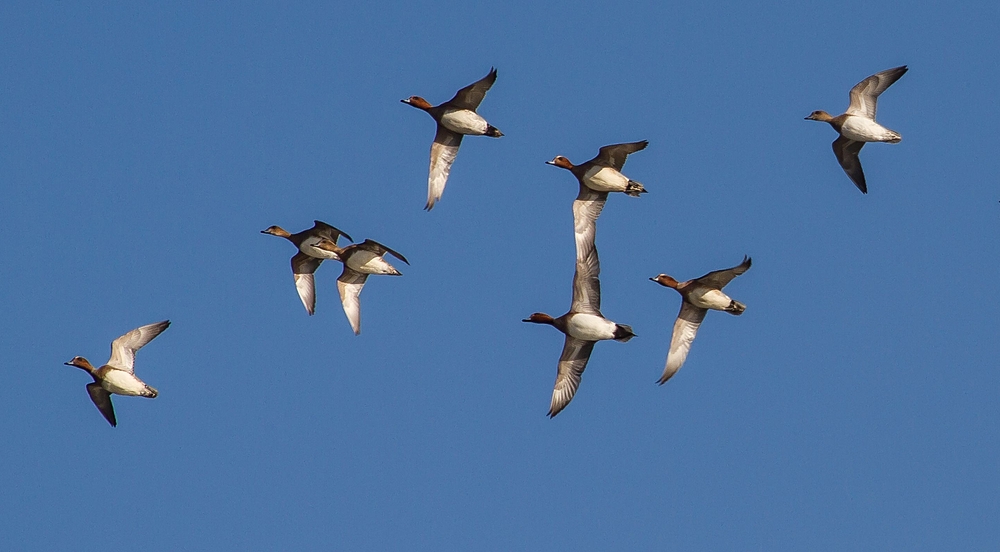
{"points": [[145, 145]]}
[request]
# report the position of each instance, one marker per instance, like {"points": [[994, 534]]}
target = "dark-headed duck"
{"points": [[698, 296], [857, 125], [309, 257], [583, 325], [118, 375], [455, 118]]}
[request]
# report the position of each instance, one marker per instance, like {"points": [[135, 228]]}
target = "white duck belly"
{"points": [[590, 327], [121, 382], [464, 121], [863, 129], [709, 299], [368, 262], [605, 179]]}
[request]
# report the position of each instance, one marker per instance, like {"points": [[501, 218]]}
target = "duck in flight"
{"points": [[360, 260], [697, 297], [309, 257], [597, 178], [857, 125], [583, 325], [118, 375], [455, 118]]}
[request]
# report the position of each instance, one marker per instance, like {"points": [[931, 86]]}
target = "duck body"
{"points": [[863, 129], [711, 298], [121, 382], [466, 121], [592, 327]]}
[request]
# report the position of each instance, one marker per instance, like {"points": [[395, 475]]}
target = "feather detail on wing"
{"points": [[864, 95], [123, 349], [614, 155], [349, 285], [443, 153], [572, 362], [685, 330], [102, 400], [847, 155], [303, 267], [586, 208], [471, 96], [587, 285], [719, 278]]}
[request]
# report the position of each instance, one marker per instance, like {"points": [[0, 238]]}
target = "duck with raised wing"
{"points": [[857, 125], [309, 257], [455, 118], [360, 260], [583, 325], [118, 375], [698, 296]]}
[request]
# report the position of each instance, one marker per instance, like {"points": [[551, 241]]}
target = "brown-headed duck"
{"points": [[360, 260], [583, 325], [857, 125], [698, 296], [309, 257], [118, 375], [455, 118]]}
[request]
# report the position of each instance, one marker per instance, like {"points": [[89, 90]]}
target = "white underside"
{"points": [[307, 247], [367, 262], [863, 129], [464, 121], [605, 179], [590, 327], [120, 382], [709, 299]]}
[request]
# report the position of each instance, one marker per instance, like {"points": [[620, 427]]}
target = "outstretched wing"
{"points": [[587, 285], [614, 155], [685, 329], [471, 96], [847, 155], [572, 362], [102, 400], [303, 267], [349, 285], [123, 349], [719, 278], [864, 95], [379, 249], [443, 153], [324, 230], [586, 208]]}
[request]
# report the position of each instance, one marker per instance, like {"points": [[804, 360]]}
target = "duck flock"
{"points": [[583, 325]]}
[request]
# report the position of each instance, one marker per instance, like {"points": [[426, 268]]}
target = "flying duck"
{"points": [[118, 375], [698, 296], [857, 125], [360, 260], [309, 257], [455, 118]]}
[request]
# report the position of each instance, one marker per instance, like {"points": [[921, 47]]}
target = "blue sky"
{"points": [[853, 406]]}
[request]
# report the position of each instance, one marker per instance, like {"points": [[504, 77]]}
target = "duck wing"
{"points": [[587, 285], [324, 230], [471, 96], [379, 249], [443, 153], [614, 155], [586, 208], [349, 285], [847, 155], [864, 95], [303, 267], [572, 362], [685, 329], [719, 278], [123, 349], [102, 400]]}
